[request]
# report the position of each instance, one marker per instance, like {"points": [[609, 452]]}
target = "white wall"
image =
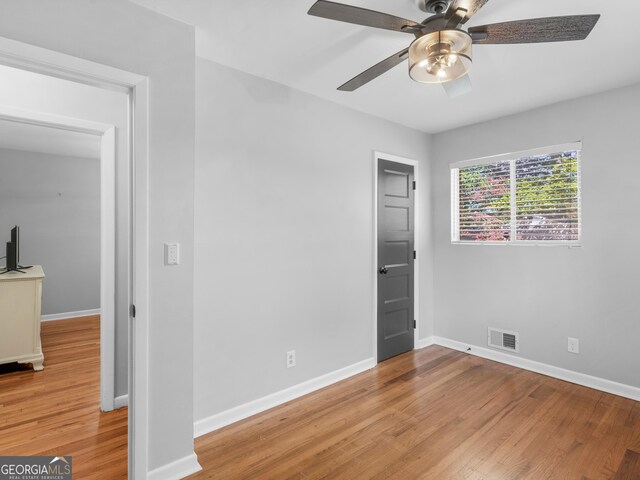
{"points": [[284, 235], [126, 36], [550, 293], [55, 200]]}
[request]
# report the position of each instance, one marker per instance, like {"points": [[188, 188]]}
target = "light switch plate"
{"points": [[171, 253]]}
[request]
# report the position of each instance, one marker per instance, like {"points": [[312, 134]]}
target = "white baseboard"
{"points": [[121, 401], [63, 316], [583, 379], [425, 342], [241, 412], [181, 468]]}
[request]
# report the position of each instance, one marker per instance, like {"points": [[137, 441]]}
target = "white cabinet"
{"points": [[20, 296]]}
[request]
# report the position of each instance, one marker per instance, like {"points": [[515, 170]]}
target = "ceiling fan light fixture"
{"points": [[439, 57]]}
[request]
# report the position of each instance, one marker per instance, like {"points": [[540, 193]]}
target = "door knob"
{"points": [[383, 270]]}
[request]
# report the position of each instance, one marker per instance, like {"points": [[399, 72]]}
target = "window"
{"points": [[523, 198]]}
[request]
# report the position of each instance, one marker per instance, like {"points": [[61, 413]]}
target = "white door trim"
{"points": [[107, 269], [139, 329], [416, 273], [56, 64]]}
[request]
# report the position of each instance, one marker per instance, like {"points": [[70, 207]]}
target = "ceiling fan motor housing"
{"points": [[434, 6], [440, 56]]}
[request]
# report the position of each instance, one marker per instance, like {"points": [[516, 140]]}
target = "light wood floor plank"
{"points": [[57, 411], [434, 414]]}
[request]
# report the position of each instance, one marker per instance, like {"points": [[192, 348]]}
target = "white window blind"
{"points": [[527, 198], [484, 207]]}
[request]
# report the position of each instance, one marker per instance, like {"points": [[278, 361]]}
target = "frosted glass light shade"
{"points": [[439, 57]]}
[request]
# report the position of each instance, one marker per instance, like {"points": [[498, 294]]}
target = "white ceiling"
{"points": [[277, 40], [53, 141]]}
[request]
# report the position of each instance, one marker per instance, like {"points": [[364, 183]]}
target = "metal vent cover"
{"points": [[503, 339]]}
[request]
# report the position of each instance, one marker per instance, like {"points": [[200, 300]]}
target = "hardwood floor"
{"points": [[57, 411], [434, 414]]}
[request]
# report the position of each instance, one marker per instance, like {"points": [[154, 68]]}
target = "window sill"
{"points": [[523, 244]]}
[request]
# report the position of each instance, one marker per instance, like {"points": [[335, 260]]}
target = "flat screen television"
{"points": [[13, 252], [15, 239]]}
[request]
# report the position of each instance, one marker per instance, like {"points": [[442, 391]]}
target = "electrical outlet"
{"points": [[171, 253], [573, 345], [291, 358]]}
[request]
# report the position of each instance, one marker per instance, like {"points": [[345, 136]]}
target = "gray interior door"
{"points": [[395, 258]]}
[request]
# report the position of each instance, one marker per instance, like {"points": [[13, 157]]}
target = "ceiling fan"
{"points": [[442, 50]]}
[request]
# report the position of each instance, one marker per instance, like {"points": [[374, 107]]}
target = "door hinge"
{"points": [[414, 254], [414, 324], [414, 184], [133, 311]]}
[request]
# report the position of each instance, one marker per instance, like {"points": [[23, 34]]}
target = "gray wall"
{"points": [[56, 202], [284, 235], [550, 293], [126, 36]]}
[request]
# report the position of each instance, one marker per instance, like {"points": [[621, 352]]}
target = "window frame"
{"points": [[512, 157]]}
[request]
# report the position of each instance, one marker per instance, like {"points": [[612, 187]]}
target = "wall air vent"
{"points": [[503, 339]]}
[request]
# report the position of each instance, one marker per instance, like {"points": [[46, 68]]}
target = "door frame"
{"points": [[416, 234], [107, 228], [48, 62]]}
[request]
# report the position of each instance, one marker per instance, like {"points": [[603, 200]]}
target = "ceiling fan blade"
{"points": [[459, 86], [361, 16], [375, 71], [463, 10], [535, 30]]}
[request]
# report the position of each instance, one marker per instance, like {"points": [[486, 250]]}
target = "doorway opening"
{"points": [[28, 58], [59, 187]]}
